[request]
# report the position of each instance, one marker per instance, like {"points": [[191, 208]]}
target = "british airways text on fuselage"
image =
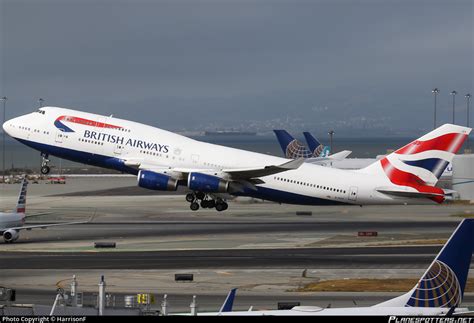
{"points": [[113, 139]]}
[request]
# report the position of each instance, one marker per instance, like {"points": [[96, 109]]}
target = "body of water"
{"points": [[21, 156]]}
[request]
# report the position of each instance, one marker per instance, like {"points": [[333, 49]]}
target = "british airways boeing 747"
{"points": [[163, 160]]}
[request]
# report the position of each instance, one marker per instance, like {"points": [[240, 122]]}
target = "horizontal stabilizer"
{"points": [[340, 155], [334, 157], [405, 193]]}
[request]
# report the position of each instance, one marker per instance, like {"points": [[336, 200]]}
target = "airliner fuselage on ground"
{"points": [[162, 160], [11, 223]]}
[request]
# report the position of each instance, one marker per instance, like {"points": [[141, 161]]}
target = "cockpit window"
{"points": [[40, 111]]}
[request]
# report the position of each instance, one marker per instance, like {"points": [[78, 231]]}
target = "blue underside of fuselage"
{"points": [[81, 157], [263, 193]]}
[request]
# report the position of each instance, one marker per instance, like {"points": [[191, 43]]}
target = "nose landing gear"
{"points": [[207, 202]]}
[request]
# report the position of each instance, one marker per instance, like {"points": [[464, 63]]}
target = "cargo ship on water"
{"points": [[229, 133]]}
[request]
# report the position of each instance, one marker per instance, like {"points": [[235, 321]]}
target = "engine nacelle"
{"points": [[11, 235], [156, 181], [207, 183]]}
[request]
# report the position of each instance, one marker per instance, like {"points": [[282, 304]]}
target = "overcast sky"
{"points": [[189, 64]]}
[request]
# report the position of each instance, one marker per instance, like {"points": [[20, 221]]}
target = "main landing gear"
{"points": [[45, 169], [206, 202]]}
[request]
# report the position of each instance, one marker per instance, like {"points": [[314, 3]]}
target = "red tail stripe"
{"points": [[87, 122], [20, 210], [450, 142], [399, 177]]}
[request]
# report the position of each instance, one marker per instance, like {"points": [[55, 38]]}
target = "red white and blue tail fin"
{"points": [[21, 205], [420, 164]]}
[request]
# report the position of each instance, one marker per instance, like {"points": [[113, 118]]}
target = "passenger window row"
{"points": [[146, 152], [91, 142], [327, 188]]}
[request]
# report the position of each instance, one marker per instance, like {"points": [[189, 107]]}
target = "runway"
{"points": [[261, 248], [105, 230], [371, 257]]}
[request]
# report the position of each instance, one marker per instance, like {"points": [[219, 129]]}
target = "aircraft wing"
{"points": [[248, 173], [44, 226], [232, 173], [38, 214], [334, 157]]}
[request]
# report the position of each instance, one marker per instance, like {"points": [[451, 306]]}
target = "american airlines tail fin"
{"points": [[442, 285], [419, 165], [318, 149], [21, 205], [292, 148]]}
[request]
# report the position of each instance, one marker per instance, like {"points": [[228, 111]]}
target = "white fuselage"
{"points": [[11, 220], [122, 140], [350, 311]]}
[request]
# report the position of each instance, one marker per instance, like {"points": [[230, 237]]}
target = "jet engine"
{"points": [[11, 235], [207, 183], [156, 181]]}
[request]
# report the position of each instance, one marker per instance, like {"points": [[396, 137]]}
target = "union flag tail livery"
{"points": [[417, 167]]}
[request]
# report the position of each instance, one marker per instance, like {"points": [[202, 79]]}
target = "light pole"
{"points": [[4, 99], [40, 101], [453, 93], [435, 91], [468, 100], [330, 133]]}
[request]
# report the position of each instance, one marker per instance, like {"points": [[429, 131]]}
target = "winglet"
{"points": [[92, 217], [229, 301]]}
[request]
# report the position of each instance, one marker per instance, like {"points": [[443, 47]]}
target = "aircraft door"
{"points": [[59, 137], [353, 193], [195, 159], [118, 149]]}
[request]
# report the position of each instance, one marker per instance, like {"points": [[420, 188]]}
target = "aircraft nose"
{"points": [[6, 126], [9, 127]]}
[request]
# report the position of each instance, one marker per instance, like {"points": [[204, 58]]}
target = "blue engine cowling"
{"points": [[156, 181], [207, 183]]}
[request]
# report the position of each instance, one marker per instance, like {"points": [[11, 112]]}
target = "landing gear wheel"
{"points": [[226, 206], [194, 206], [204, 204], [200, 195], [190, 197], [220, 207], [212, 204], [45, 170]]}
